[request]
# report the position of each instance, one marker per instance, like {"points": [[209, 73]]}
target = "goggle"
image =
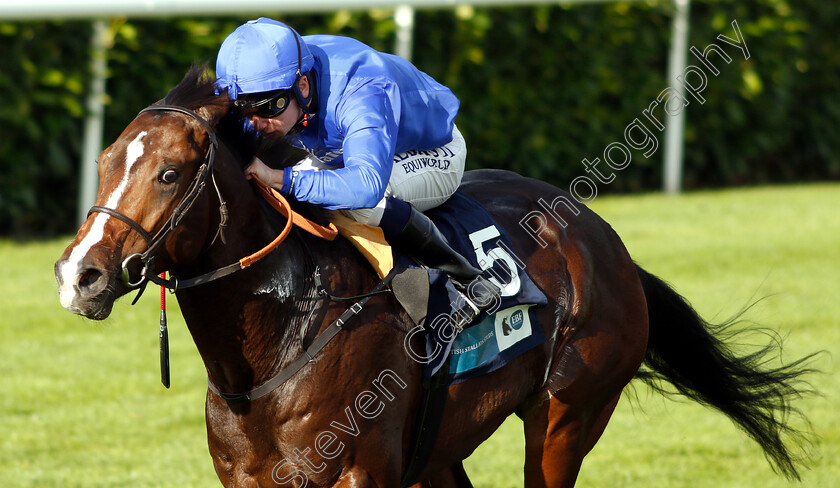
{"points": [[267, 107]]}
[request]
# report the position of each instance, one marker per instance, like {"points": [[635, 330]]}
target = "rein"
{"points": [[279, 203], [146, 259]]}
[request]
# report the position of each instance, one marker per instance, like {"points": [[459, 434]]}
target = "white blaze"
{"points": [[70, 269]]}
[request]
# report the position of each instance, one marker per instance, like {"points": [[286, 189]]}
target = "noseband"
{"points": [[193, 191]]}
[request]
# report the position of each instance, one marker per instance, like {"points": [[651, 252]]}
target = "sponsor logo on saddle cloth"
{"points": [[480, 345]]}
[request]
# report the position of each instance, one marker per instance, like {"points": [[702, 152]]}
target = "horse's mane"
{"points": [[198, 90]]}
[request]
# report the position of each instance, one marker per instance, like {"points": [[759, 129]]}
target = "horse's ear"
{"points": [[216, 105], [212, 113]]}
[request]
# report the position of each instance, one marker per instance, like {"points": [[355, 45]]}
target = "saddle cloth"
{"points": [[429, 296]]}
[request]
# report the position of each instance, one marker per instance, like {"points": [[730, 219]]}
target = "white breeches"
{"points": [[425, 179]]}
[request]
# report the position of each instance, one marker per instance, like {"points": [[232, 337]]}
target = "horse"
{"points": [[348, 415]]}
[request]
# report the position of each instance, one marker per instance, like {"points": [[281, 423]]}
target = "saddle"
{"points": [[429, 296]]}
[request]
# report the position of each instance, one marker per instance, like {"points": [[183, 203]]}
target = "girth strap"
{"points": [[429, 417]]}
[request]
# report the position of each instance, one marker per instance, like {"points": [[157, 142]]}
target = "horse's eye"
{"points": [[169, 176]]}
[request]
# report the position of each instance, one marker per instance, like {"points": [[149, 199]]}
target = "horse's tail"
{"points": [[698, 360]]}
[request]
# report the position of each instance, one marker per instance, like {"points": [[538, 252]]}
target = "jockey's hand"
{"points": [[271, 177]]}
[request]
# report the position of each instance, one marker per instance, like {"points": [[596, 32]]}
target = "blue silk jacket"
{"points": [[371, 106]]}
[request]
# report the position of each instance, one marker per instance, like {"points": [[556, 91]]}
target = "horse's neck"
{"points": [[247, 324]]}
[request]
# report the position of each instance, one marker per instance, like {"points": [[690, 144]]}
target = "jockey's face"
{"points": [[279, 126]]}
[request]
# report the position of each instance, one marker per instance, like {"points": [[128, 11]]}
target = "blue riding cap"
{"points": [[260, 56]]}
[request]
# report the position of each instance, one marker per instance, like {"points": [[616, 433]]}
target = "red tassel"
{"points": [[162, 294]]}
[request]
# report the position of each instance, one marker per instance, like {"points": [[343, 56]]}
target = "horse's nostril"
{"points": [[89, 278]]}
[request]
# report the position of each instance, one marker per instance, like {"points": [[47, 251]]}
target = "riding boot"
{"points": [[422, 240]]}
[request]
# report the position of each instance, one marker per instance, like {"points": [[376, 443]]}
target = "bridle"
{"points": [[193, 191], [279, 203], [146, 258]]}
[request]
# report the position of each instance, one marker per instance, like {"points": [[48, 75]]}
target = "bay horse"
{"points": [[347, 417]]}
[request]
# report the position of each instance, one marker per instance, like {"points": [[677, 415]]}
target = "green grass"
{"points": [[82, 404]]}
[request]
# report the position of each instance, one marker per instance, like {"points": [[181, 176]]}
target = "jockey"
{"points": [[381, 135]]}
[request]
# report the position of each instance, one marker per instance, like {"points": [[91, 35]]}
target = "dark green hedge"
{"points": [[541, 89]]}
